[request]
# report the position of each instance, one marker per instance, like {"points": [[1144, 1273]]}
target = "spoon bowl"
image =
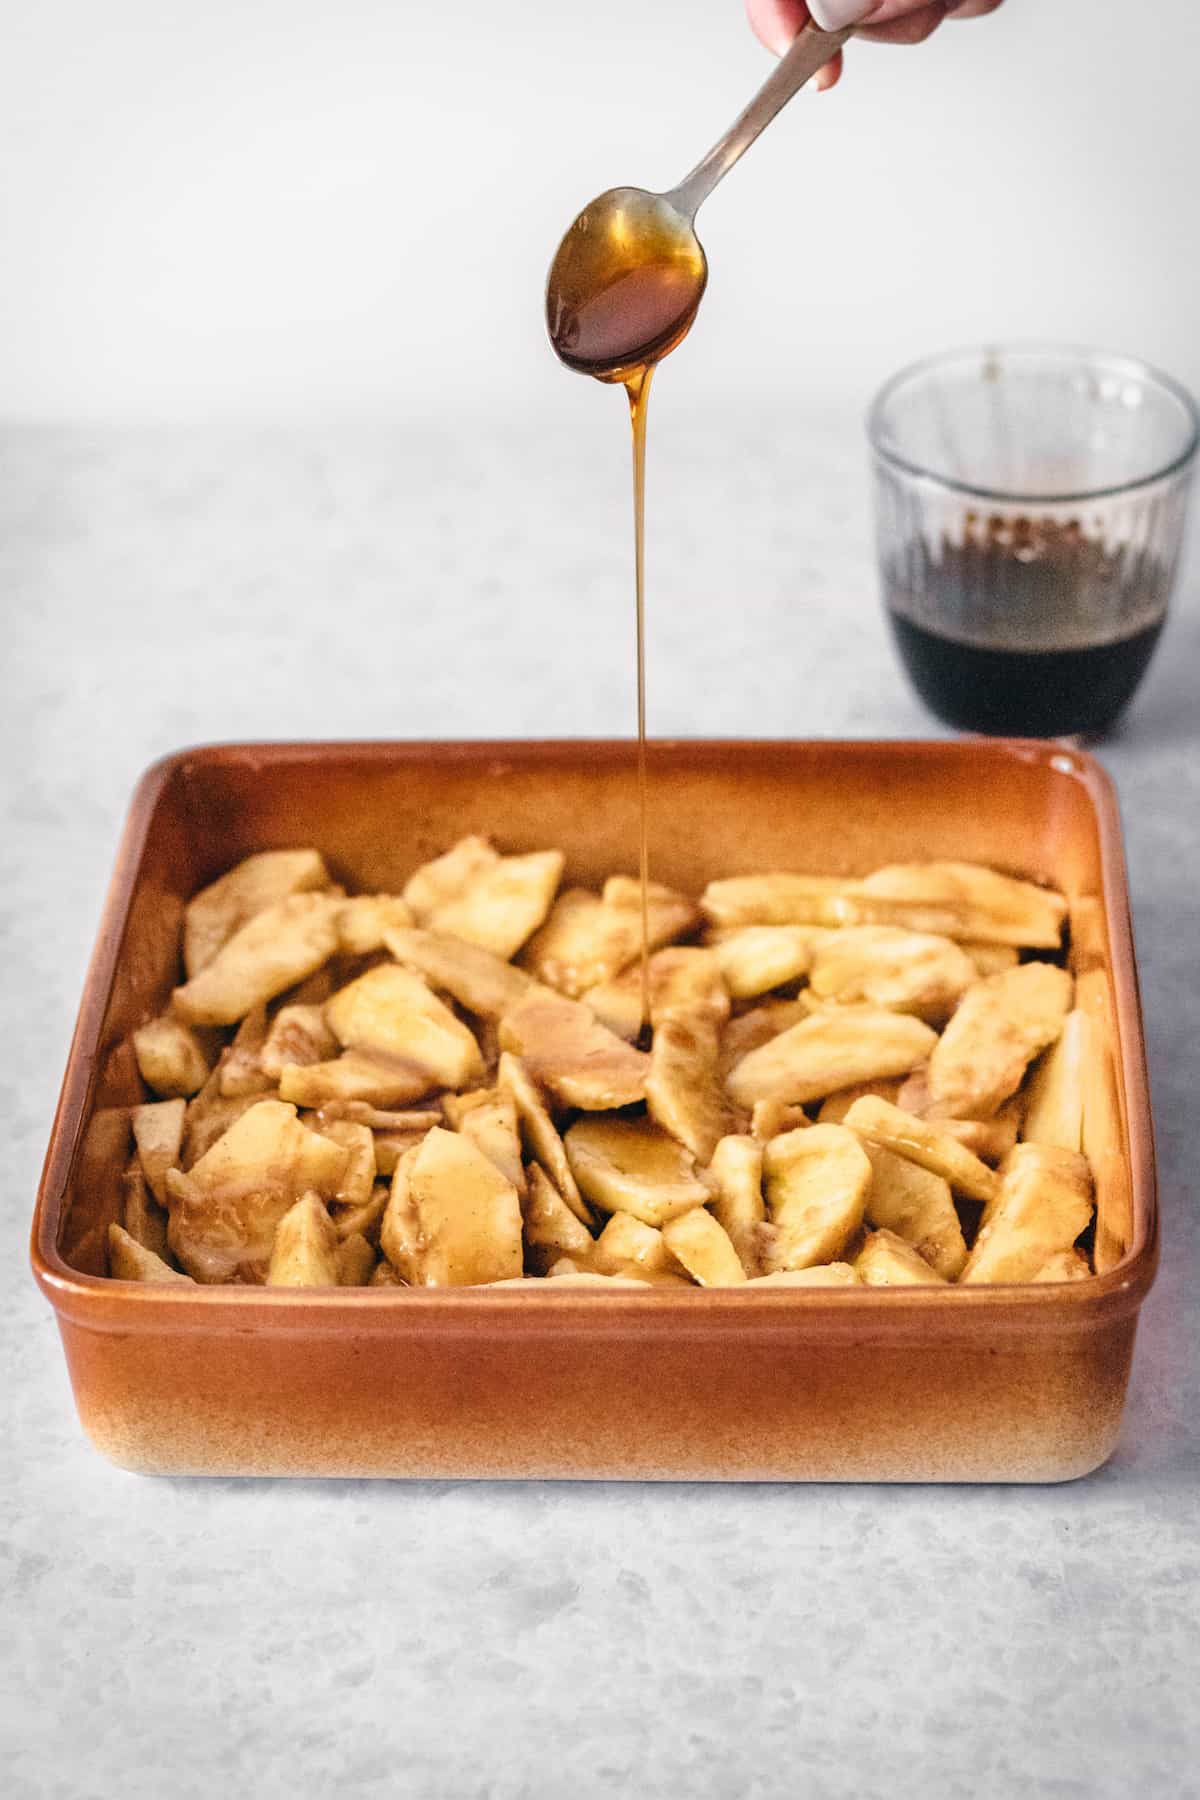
{"points": [[625, 284]]}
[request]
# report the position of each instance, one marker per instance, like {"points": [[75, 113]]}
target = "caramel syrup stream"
{"points": [[637, 386]]}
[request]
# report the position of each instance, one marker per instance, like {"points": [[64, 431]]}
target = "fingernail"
{"points": [[832, 15]]}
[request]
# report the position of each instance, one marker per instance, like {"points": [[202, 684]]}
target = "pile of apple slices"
{"points": [[882, 1081]]}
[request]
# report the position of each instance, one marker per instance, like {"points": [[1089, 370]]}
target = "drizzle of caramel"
{"points": [[638, 389], [627, 275]]}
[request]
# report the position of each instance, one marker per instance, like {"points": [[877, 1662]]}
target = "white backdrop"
{"points": [[276, 208]]}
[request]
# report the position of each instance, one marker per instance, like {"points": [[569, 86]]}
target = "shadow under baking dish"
{"points": [[939, 1384]]}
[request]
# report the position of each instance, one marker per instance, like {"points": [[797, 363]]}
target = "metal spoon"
{"points": [[629, 275]]}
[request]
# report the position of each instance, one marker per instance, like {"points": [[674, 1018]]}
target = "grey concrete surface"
{"points": [[200, 1638]]}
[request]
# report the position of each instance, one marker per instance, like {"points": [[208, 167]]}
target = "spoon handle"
{"points": [[811, 50]]}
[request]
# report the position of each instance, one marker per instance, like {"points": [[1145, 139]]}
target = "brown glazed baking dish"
{"points": [[907, 1384]]}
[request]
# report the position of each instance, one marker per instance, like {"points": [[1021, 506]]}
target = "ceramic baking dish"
{"points": [[937, 1384]]}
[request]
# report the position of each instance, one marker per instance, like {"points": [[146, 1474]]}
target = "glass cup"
{"points": [[1030, 506]]}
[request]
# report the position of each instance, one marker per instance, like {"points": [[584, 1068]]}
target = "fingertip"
{"points": [[776, 22], [829, 76]]}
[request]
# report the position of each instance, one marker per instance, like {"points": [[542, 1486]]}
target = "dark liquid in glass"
{"points": [[1024, 693], [1027, 629]]}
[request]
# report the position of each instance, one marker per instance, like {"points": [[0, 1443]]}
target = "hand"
{"points": [[776, 22]]}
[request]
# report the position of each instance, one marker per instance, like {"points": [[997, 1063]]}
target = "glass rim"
{"points": [[1132, 367]]}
